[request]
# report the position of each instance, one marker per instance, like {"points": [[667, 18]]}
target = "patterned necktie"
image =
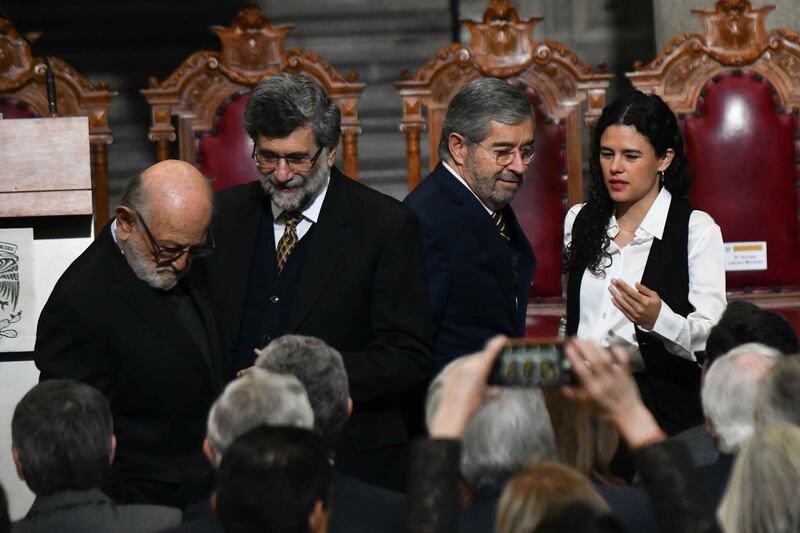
{"points": [[497, 216], [288, 239]]}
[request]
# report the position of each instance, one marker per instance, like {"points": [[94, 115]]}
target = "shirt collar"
{"points": [[312, 211], [464, 183], [653, 223]]}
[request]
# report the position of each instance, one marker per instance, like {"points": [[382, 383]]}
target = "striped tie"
{"points": [[497, 216], [288, 239]]}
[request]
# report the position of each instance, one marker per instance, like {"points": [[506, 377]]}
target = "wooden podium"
{"points": [[45, 168]]}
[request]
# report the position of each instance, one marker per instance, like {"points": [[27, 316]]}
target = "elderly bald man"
{"points": [[132, 319]]}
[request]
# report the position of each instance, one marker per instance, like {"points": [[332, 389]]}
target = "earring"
{"points": [[660, 175]]}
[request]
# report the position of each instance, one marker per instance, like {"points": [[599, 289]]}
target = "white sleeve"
{"points": [[684, 336]]}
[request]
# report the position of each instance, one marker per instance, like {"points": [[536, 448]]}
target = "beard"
{"points": [[305, 187], [485, 187], [162, 278]]}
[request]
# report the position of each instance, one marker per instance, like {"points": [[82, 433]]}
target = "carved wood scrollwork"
{"points": [[252, 48], [503, 46], [734, 36], [22, 78]]}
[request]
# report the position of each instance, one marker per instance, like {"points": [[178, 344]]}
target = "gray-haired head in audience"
{"points": [[320, 369], [779, 397], [729, 393], [511, 429], [258, 398]]}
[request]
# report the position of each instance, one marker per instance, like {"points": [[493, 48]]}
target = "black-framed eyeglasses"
{"points": [[166, 255], [298, 162], [505, 156]]}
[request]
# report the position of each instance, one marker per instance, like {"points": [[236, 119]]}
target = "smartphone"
{"points": [[531, 362]]}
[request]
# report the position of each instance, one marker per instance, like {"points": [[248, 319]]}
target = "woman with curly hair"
{"points": [[642, 267]]}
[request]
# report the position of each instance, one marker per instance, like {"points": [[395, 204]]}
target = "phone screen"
{"points": [[531, 363]]}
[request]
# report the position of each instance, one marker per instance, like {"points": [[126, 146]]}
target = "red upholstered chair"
{"points": [[557, 82], [23, 94], [736, 89], [208, 92]]}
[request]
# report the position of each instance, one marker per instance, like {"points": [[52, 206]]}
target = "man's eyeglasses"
{"points": [[298, 162], [166, 255], [505, 156]]}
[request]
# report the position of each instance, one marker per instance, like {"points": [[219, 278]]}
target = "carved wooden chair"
{"points": [[208, 92], [23, 94], [557, 82], [736, 90]]}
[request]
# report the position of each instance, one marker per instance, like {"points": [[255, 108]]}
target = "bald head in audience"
{"points": [[162, 222]]}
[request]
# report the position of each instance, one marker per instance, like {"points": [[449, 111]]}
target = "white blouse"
{"points": [[604, 323]]}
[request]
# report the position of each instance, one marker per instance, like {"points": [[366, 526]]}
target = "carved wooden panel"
{"points": [[252, 48], [22, 82]]}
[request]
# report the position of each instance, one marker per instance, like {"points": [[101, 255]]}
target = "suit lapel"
{"points": [[524, 261], [238, 230], [197, 283], [332, 232], [145, 302], [480, 223]]}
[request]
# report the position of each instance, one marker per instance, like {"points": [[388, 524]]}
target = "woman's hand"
{"points": [[607, 387], [641, 305]]}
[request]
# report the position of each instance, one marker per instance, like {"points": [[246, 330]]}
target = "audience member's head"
{"points": [[779, 397], [320, 369], [275, 479], [510, 429], [256, 398], [162, 222], [530, 495], [62, 437], [762, 492], [729, 393], [744, 322], [578, 517], [583, 441]]}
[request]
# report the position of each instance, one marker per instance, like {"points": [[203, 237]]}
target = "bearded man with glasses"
{"points": [[479, 262], [132, 319], [307, 250]]}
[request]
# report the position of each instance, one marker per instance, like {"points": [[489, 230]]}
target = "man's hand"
{"points": [[641, 305], [463, 390], [608, 388]]}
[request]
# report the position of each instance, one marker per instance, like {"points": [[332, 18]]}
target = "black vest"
{"points": [[269, 295], [673, 381]]}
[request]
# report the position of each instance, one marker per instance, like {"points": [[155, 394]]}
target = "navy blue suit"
{"points": [[474, 290]]}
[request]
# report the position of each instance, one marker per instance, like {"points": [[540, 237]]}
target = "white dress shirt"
{"points": [[310, 215], [601, 321]]}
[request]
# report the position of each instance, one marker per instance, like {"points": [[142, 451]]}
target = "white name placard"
{"points": [[750, 255]]}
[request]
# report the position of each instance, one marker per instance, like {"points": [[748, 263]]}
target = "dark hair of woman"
{"points": [[654, 120]]}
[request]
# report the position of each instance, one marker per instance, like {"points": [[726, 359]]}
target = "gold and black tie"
{"points": [[288, 239], [497, 216]]}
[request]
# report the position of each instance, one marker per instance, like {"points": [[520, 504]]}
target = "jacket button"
{"points": [[274, 299]]}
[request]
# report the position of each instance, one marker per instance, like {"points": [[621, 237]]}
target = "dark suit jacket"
{"points": [[363, 292], [91, 510], [105, 327], [359, 506], [469, 266]]}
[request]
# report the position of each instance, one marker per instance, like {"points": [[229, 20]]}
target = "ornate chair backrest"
{"points": [[208, 92], [23, 94], [557, 82], [736, 91]]}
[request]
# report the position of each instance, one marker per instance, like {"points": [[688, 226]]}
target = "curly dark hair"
{"points": [[655, 121]]}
